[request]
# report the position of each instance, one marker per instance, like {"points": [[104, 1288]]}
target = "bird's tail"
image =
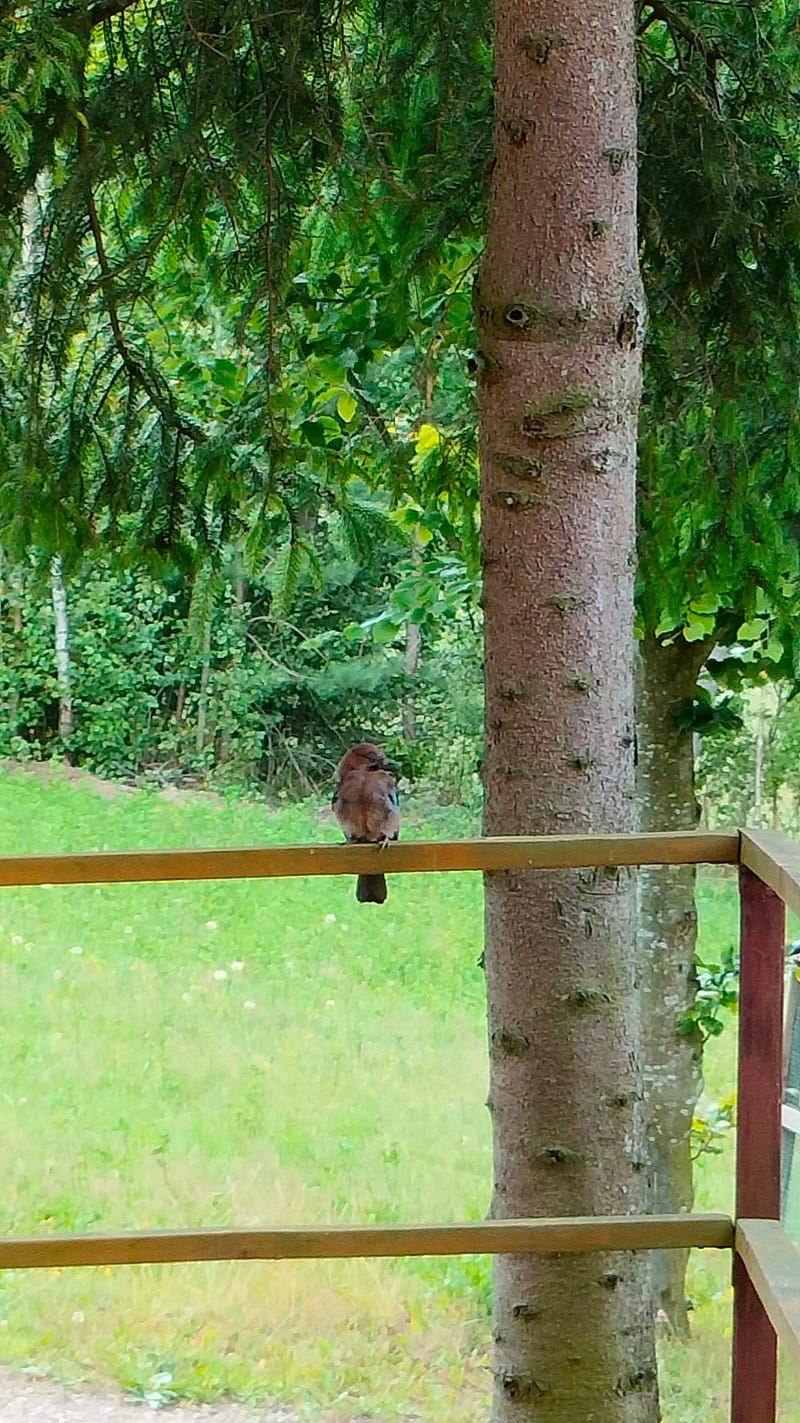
{"points": [[371, 889]]}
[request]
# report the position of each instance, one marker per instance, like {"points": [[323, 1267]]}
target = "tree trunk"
{"points": [[410, 664], [666, 680], [17, 592], [63, 669], [758, 775], [202, 700], [559, 310], [225, 739], [15, 595], [413, 638]]}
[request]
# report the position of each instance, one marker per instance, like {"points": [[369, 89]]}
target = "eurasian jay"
{"points": [[366, 805]]}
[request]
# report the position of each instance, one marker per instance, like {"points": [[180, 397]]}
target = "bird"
{"points": [[367, 807]]}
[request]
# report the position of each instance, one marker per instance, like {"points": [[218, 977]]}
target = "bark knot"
{"points": [[582, 763], [583, 684], [507, 1041], [513, 499], [487, 367], [519, 466], [617, 158], [622, 1099], [574, 412], [630, 327], [521, 1386], [519, 316], [566, 602], [587, 995], [558, 1156], [518, 130], [540, 47], [637, 1381]]}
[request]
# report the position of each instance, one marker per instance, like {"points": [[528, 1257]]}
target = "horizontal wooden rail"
{"points": [[573, 1235], [773, 1263], [776, 860], [534, 852]]}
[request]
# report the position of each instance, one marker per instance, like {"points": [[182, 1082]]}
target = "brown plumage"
{"points": [[366, 805]]}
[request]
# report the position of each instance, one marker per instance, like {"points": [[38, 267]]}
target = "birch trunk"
{"points": [[667, 677], [62, 655], [408, 709], [202, 700], [559, 311]]}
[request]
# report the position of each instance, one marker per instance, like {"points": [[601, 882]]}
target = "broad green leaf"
{"points": [[346, 406], [696, 628], [752, 630]]}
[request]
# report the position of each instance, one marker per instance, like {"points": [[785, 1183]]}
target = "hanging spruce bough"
{"points": [[718, 489], [559, 309], [173, 148]]}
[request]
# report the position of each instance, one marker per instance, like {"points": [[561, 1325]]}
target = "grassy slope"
{"points": [[264, 1053]]}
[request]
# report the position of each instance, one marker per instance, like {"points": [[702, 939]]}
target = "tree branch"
{"points": [[694, 39], [135, 368], [106, 10]]}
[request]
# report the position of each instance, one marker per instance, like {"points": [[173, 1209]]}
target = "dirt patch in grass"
{"points": [[28, 1398], [62, 771]]}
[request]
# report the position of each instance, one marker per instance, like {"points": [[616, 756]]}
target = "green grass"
{"points": [[266, 1052]]}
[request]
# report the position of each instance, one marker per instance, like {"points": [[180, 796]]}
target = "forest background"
{"points": [[239, 489]]}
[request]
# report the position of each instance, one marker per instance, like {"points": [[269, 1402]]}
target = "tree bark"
{"points": [[758, 775], [666, 681], [408, 708], [559, 311], [63, 667], [202, 700], [15, 596]]}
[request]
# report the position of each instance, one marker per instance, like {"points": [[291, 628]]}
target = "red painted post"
{"points": [[758, 1134]]}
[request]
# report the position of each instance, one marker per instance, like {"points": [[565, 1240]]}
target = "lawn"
{"points": [[267, 1053]]}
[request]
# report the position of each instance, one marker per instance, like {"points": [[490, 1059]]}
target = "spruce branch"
{"points": [[136, 369], [695, 41], [106, 10]]}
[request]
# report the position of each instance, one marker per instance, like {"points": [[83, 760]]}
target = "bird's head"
{"points": [[365, 756]]}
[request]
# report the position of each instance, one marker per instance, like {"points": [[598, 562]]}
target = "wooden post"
{"points": [[758, 1135]]}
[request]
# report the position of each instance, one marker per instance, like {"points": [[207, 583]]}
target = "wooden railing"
{"points": [[766, 1265]]}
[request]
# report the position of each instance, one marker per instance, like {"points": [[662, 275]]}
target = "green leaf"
{"points": [[346, 406], [774, 650], [427, 439], [696, 628], [752, 630]]}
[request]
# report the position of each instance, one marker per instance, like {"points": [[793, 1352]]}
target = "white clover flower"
{"points": [[220, 974], [330, 918], [76, 949], [237, 966], [16, 938], [212, 924], [330, 1002], [248, 1003]]}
